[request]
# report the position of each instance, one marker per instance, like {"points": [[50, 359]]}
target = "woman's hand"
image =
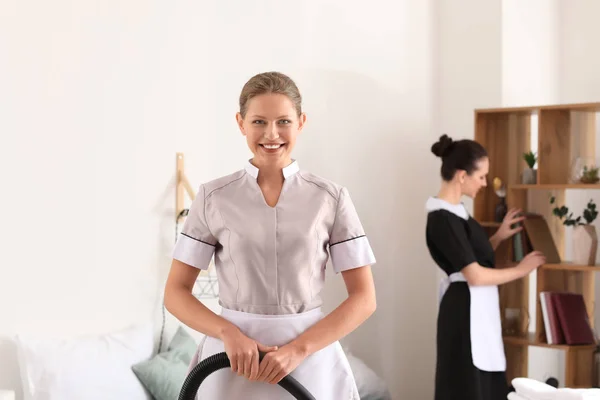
{"points": [[278, 364], [512, 217], [531, 262], [243, 352]]}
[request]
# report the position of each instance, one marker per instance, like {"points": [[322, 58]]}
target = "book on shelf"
{"points": [[521, 244], [535, 235], [540, 238], [566, 319]]}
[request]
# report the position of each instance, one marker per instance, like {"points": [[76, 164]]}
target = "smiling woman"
{"points": [[271, 228]]}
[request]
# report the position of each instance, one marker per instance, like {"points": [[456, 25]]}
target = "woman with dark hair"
{"points": [[470, 353]]}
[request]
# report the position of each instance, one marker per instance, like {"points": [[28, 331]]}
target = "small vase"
{"points": [[515, 322], [529, 176], [585, 245]]}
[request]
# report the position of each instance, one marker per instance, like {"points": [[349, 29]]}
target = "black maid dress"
{"points": [[470, 354]]}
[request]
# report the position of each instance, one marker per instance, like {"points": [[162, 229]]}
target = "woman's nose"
{"points": [[272, 132]]}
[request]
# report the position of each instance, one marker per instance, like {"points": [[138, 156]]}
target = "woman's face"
{"points": [[271, 126], [471, 184]]}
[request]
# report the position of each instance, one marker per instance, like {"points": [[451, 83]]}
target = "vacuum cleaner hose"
{"points": [[220, 361]]}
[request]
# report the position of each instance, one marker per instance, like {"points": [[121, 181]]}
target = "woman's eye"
{"points": [[285, 121], [258, 121]]}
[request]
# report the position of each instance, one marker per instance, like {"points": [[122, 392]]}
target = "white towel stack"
{"points": [[530, 389], [7, 395]]}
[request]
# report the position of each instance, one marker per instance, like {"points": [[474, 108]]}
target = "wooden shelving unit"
{"points": [[550, 186], [530, 340], [564, 131]]}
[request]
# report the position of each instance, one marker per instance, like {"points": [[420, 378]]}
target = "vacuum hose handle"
{"points": [[219, 361]]}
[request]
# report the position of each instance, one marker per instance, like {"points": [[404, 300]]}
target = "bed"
{"points": [[126, 365]]}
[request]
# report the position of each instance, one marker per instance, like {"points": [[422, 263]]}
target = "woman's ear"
{"points": [[301, 121], [240, 122]]}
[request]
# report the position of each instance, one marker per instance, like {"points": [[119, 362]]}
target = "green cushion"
{"points": [[164, 374], [183, 341]]}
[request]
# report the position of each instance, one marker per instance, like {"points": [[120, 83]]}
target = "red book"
{"points": [[554, 334], [573, 317]]}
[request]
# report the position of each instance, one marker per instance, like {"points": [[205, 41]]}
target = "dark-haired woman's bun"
{"points": [[441, 147]]}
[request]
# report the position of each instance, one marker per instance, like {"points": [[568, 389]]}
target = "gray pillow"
{"points": [[183, 341], [164, 374]]}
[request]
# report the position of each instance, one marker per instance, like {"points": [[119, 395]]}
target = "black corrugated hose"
{"points": [[220, 361]]}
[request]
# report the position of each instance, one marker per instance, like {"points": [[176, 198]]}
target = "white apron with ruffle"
{"points": [[326, 374]]}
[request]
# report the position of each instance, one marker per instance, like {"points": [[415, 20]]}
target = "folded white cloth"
{"points": [[516, 396], [533, 390], [576, 394], [530, 389]]}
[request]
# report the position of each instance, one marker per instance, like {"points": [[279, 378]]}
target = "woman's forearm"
{"points": [[351, 313], [477, 275], [495, 241], [189, 310]]}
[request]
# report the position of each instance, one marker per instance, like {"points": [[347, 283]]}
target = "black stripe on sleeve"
{"points": [[198, 240], [347, 240]]}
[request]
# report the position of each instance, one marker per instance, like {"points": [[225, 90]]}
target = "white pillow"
{"points": [[85, 368]]}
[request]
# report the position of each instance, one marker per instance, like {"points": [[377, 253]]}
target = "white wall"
{"points": [[580, 61], [96, 98], [470, 68], [530, 52]]}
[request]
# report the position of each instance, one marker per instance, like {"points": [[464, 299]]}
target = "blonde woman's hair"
{"points": [[270, 82]]}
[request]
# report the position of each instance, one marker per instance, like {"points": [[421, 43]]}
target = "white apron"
{"points": [[487, 346], [326, 374]]}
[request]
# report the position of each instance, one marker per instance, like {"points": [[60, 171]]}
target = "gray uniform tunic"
{"points": [[271, 260]]}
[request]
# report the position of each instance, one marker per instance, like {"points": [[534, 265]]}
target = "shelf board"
{"points": [[529, 340], [571, 267], [589, 107], [489, 224], [555, 186]]}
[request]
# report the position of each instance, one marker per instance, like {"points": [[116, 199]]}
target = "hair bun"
{"points": [[442, 146]]}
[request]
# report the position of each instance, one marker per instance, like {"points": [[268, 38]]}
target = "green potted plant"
{"points": [[584, 169], [585, 238], [529, 176], [589, 174]]}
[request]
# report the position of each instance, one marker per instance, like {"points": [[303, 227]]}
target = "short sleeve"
{"points": [[348, 243], [195, 245], [448, 237]]}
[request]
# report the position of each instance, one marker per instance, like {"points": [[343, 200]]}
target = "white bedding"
{"points": [[99, 367], [370, 385]]}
